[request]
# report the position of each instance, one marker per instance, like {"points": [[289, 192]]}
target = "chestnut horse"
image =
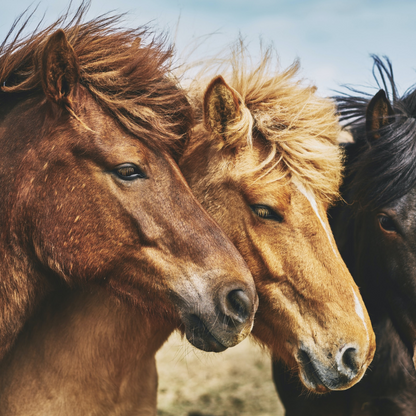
{"points": [[376, 234], [264, 162], [104, 249]]}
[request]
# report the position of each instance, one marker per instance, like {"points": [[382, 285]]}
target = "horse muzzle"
{"points": [[339, 373], [222, 324]]}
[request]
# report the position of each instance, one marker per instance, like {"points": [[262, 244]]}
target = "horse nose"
{"points": [[216, 326], [347, 361], [237, 306], [323, 376]]}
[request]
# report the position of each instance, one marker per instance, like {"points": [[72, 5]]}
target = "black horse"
{"points": [[376, 233]]}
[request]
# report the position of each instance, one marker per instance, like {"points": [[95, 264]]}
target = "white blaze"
{"points": [[360, 311], [311, 198]]}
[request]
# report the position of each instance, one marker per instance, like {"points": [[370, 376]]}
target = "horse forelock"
{"points": [[299, 127], [127, 71], [385, 169]]}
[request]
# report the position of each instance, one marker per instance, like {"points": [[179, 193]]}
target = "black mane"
{"points": [[383, 169]]}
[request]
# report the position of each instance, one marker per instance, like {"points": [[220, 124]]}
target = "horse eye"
{"points": [[263, 211], [386, 223], [129, 172]]}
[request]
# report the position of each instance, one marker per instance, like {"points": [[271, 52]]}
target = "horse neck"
{"points": [[95, 323], [22, 282], [104, 347], [21, 289]]}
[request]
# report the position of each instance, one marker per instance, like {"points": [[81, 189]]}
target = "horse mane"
{"points": [[300, 128], [127, 71], [384, 169]]}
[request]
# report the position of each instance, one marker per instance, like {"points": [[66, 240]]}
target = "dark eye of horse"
{"points": [[129, 172], [386, 223], [263, 211]]}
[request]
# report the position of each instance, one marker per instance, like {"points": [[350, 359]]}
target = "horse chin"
{"points": [[312, 382], [200, 337]]}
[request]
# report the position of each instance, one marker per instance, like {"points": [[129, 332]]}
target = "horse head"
{"points": [[265, 165], [91, 195], [376, 230]]}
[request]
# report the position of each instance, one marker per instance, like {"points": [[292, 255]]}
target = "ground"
{"points": [[236, 382]]}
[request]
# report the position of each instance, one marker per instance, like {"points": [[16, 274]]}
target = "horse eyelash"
{"points": [[265, 212], [262, 212]]}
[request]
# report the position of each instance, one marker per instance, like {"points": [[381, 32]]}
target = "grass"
{"points": [[236, 382]]}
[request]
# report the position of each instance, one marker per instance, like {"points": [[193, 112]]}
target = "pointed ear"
{"points": [[379, 114], [59, 69], [221, 107]]}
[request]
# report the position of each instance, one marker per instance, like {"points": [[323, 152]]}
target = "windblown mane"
{"points": [[126, 71], [300, 127], [385, 169]]}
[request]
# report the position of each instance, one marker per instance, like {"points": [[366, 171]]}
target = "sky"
{"points": [[332, 38]]}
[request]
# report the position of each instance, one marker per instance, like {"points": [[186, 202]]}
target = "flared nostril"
{"points": [[324, 372], [239, 305], [347, 361]]}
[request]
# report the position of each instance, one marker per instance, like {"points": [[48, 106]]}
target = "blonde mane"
{"points": [[300, 128]]}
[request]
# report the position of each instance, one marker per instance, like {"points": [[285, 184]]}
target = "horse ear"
{"points": [[379, 114], [59, 69], [221, 107]]}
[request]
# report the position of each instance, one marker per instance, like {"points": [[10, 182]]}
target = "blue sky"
{"points": [[332, 38]]}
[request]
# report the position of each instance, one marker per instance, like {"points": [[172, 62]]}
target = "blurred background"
{"points": [[334, 40]]}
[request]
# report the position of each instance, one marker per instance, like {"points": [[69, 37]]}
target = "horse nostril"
{"points": [[347, 361], [239, 304]]}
